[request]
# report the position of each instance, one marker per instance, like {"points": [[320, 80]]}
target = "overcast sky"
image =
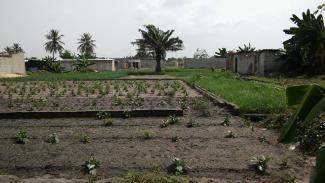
{"points": [[205, 24]]}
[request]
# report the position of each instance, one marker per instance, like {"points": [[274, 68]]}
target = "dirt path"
{"points": [[121, 148]]}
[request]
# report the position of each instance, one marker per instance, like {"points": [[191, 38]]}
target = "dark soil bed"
{"points": [[121, 148]]}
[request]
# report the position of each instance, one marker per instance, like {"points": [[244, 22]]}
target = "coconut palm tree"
{"points": [[17, 48], [86, 45], [158, 42], [309, 39], [55, 43]]}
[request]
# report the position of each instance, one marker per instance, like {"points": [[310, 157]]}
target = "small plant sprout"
{"points": [[174, 137], [164, 124], [127, 113], [284, 163], [147, 134], [21, 137], [260, 163], [191, 124], [53, 138], [245, 124], [173, 119], [91, 165], [203, 107], [231, 135], [102, 115], [179, 166], [263, 140], [85, 139], [108, 122], [226, 121]]}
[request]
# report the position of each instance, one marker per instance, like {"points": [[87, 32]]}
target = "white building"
{"points": [[12, 63]]}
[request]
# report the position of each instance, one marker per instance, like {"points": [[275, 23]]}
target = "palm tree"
{"points": [[158, 42], [55, 43], [86, 44], [246, 48], [222, 52], [8, 49], [16, 48], [308, 38]]}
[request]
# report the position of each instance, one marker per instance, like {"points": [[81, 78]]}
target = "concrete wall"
{"points": [[100, 65], [219, 63], [12, 64], [255, 63]]}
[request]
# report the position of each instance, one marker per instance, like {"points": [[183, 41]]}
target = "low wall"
{"points": [[12, 64], [219, 63]]}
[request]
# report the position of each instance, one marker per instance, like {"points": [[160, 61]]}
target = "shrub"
{"points": [[21, 137], [53, 138], [91, 164], [147, 134], [260, 163]]}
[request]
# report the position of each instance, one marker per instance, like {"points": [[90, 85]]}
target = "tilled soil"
{"points": [[93, 95], [121, 148]]}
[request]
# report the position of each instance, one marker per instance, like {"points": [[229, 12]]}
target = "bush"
{"points": [[147, 134], [51, 65]]}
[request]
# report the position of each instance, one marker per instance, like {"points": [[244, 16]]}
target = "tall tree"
{"points": [[54, 44], [221, 53], [15, 48], [246, 48], [308, 38], [86, 45], [158, 42]]}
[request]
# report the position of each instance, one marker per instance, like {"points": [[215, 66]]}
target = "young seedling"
{"points": [[231, 135], [21, 137], [203, 107], [102, 115], [53, 138], [91, 165], [174, 137], [85, 139], [164, 124], [147, 134], [263, 140], [108, 122], [173, 119], [226, 121], [178, 166], [245, 124], [260, 163], [191, 124], [284, 163]]}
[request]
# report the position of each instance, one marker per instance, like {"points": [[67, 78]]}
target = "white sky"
{"points": [[205, 24]]}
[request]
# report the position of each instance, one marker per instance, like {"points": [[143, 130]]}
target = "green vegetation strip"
{"points": [[250, 96]]}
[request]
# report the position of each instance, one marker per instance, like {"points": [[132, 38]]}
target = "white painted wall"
{"points": [[12, 64]]}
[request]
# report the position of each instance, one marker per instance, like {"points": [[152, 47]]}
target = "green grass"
{"points": [[45, 76], [250, 96]]}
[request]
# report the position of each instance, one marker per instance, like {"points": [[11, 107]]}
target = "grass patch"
{"points": [[250, 96]]}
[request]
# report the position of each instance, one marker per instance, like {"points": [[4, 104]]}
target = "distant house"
{"points": [[100, 64], [200, 54], [261, 63], [12, 63]]}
